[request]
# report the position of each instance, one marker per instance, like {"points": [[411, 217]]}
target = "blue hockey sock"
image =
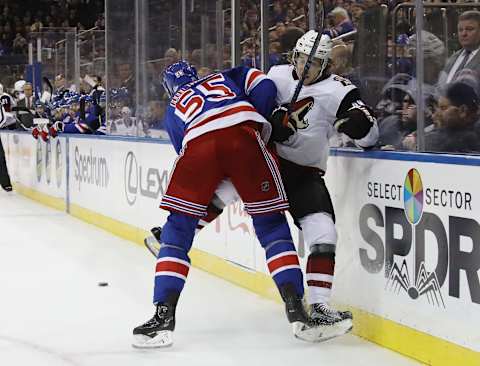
{"points": [[173, 262], [282, 260]]}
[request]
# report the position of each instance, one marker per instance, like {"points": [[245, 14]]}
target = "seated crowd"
{"points": [[17, 24], [385, 76]]}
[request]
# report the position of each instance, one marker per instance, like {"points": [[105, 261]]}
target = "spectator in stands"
{"points": [[156, 112], [250, 24], [171, 56], [278, 12], [280, 29], [341, 23], [196, 58], [370, 51], [468, 56], [397, 130], [59, 83], [19, 44], [342, 64], [287, 42], [357, 10], [275, 51], [125, 75], [433, 53], [455, 120], [28, 102], [37, 24]]}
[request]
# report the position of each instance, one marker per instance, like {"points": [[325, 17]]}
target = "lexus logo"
{"points": [[149, 183], [131, 178]]}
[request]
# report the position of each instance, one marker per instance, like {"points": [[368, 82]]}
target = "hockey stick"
{"points": [[82, 108], [49, 84], [308, 64]]}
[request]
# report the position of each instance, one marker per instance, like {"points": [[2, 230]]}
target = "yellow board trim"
{"points": [[410, 342], [46, 199]]}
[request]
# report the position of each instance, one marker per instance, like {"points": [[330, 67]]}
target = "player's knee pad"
{"points": [[271, 228], [179, 230], [322, 250], [318, 228]]}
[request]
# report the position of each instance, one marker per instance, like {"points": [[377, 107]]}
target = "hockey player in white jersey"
{"points": [[327, 104], [6, 100]]}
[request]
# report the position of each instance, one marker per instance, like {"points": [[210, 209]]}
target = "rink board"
{"points": [[408, 257]]}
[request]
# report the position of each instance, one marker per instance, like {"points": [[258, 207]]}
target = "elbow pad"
{"points": [[356, 123]]}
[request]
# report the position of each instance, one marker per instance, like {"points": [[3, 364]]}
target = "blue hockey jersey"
{"points": [[218, 101]]}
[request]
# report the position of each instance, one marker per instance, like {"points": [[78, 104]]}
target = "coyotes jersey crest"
{"points": [[299, 112], [315, 113]]}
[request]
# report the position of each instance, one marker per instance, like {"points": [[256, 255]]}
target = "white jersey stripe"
{"points": [[171, 274], [319, 277], [187, 203], [285, 268], [174, 259], [167, 205], [273, 168]]}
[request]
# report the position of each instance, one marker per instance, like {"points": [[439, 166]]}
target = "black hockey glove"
{"points": [[282, 128], [356, 122]]}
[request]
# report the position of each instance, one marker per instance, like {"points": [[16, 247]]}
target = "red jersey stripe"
{"points": [[252, 78], [321, 265], [319, 284], [285, 260], [168, 266]]}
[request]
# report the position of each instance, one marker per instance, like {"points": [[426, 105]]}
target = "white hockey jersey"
{"points": [[7, 119], [127, 126], [316, 109]]}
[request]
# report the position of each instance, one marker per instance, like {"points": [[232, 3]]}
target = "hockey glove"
{"points": [[35, 132], [282, 128], [356, 122], [44, 133], [56, 128]]}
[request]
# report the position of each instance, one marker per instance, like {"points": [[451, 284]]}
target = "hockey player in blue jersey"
{"points": [[84, 115], [218, 127]]}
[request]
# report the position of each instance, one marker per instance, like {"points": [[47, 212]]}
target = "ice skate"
{"points": [[334, 323], [157, 332], [303, 326], [7, 188]]}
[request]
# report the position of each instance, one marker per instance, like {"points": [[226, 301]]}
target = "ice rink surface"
{"points": [[52, 311]]}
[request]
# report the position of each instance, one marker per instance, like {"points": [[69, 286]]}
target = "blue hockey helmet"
{"points": [[178, 74]]}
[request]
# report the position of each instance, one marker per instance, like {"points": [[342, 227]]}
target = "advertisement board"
{"points": [[37, 165], [409, 243], [408, 224]]}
